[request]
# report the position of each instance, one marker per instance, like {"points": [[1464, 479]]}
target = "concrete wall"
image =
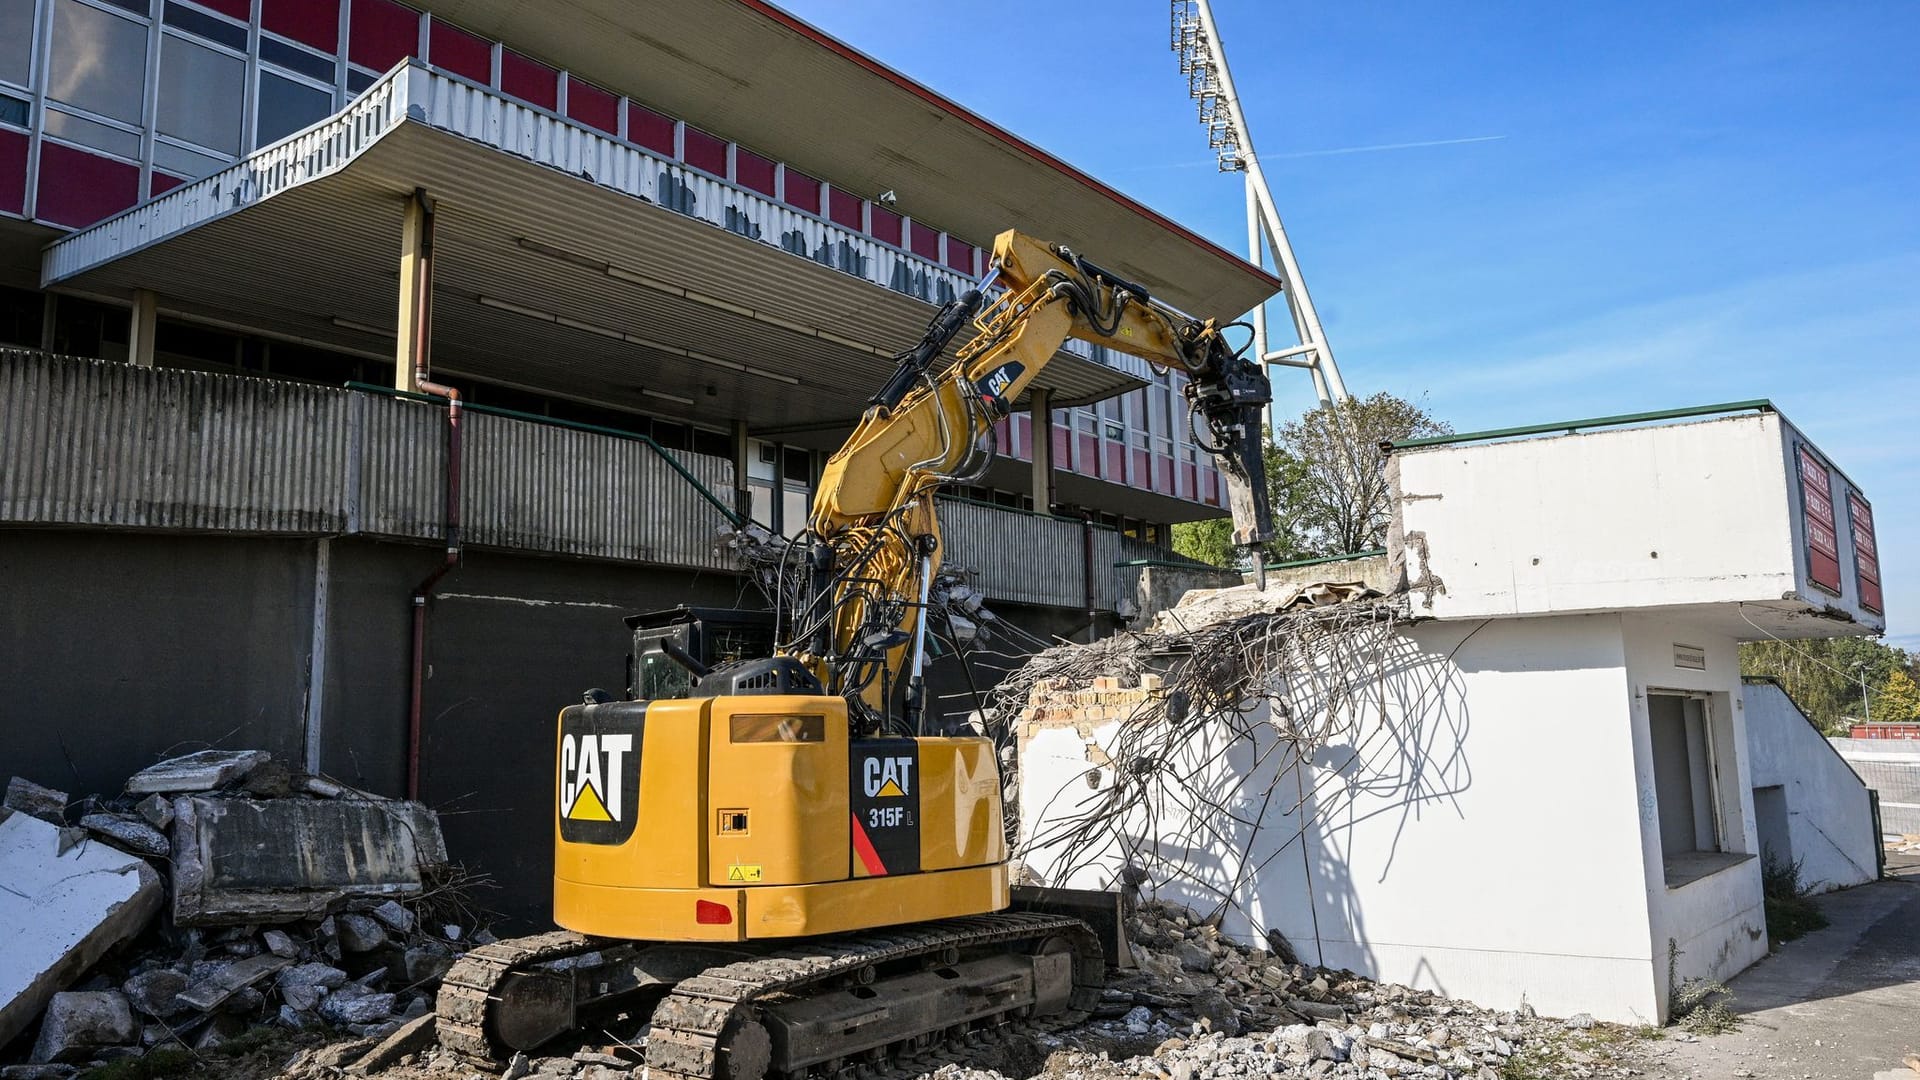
{"points": [[1703, 513], [1715, 921], [1828, 817], [1481, 837]]}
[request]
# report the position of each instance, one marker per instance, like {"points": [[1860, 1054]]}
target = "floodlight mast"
{"points": [[1203, 60]]}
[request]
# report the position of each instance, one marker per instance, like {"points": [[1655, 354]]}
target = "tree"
{"points": [[1319, 505], [1824, 676], [1899, 699], [1340, 499]]}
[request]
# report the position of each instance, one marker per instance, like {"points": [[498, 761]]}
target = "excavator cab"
{"points": [[709, 637]]}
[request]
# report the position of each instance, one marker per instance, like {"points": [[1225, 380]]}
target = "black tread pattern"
{"points": [[460, 1012]]}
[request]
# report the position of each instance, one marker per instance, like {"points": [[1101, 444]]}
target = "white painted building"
{"points": [[1810, 806], [1548, 791]]}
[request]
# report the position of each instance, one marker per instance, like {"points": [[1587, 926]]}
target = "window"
{"points": [[78, 129], [286, 106], [14, 110], [16, 41], [99, 61], [180, 161], [201, 95]]}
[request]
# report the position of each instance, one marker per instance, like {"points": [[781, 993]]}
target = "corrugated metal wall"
{"points": [[91, 442]]}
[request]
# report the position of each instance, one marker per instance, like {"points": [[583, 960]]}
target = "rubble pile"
{"points": [[1200, 1007], [1904, 844], [219, 892]]}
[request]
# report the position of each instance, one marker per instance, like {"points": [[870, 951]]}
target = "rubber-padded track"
{"points": [[691, 1024], [460, 1012]]}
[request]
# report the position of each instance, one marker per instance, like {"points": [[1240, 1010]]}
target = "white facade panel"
{"points": [[1704, 513], [1828, 815]]}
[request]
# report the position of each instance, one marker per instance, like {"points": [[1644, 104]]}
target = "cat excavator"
{"points": [[780, 869]]}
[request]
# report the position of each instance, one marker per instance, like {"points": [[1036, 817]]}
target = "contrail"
{"points": [[1385, 146]]}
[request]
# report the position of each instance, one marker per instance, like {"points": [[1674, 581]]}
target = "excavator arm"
{"points": [[877, 535]]}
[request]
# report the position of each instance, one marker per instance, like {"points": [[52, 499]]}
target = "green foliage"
{"points": [[1339, 501], [1824, 677], [1698, 1005], [1899, 699], [1326, 481], [1791, 913]]}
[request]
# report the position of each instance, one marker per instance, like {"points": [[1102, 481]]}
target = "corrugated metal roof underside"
{"points": [[311, 257], [781, 88]]}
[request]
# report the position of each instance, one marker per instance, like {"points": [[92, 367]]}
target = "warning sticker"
{"points": [[741, 872]]}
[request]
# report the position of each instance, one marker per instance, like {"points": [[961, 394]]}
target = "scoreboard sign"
{"points": [[1866, 556], [1823, 544]]}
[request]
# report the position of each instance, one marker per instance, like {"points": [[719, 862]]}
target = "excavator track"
{"points": [[708, 1027], [471, 986]]}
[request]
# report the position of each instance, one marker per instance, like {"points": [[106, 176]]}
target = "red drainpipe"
{"points": [[423, 337]]}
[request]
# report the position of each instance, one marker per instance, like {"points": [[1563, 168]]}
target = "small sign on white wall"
{"points": [[1692, 657]]}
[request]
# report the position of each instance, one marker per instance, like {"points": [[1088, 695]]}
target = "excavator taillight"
{"points": [[708, 913]]}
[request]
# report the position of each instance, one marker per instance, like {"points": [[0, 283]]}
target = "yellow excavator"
{"points": [[778, 868]]}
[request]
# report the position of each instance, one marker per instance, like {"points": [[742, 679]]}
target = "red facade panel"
{"points": [[13, 172], [1060, 435], [802, 191], [704, 151], [467, 55], [886, 226], [1114, 467], [309, 22], [925, 242], [650, 129], [1816, 500], [752, 171], [1866, 553], [159, 182], [844, 209], [529, 79], [593, 106], [381, 33], [960, 256], [78, 188], [1188, 481], [1142, 469], [1163, 474], [1023, 435]]}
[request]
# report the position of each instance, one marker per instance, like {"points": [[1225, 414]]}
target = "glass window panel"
{"points": [[232, 35], [183, 162], [16, 40], [294, 58], [99, 61], [13, 110], [89, 133], [795, 502], [201, 93], [358, 81], [138, 7], [287, 106]]}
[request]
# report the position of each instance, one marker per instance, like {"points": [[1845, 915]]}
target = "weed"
{"points": [[1699, 1005], [1790, 911]]}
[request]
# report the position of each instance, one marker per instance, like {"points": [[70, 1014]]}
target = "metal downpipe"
{"points": [[422, 367]]}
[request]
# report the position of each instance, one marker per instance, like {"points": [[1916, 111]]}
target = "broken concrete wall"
{"points": [[1470, 824], [64, 902], [248, 861]]}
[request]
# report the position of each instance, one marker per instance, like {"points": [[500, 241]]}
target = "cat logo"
{"points": [[591, 774], [888, 777], [993, 386]]}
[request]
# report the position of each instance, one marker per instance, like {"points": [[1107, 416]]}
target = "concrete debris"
{"points": [[129, 833], [298, 903], [62, 910], [202, 771], [77, 1025], [231, 865], [35, 801], [1204, 607], [412, 1037], [156, 809]]}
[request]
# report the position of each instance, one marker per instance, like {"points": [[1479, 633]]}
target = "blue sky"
{"points": [[1664, 205]]}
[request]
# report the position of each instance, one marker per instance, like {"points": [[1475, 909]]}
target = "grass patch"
{"points": [[161, 1061], [1791, 912]]}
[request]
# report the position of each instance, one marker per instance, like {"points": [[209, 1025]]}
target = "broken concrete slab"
{"points": [[63, 910], [77, 1026], [208, 994], [412, 1037], [157, 809], [395, 915], [42, 802], [231, 864], [364, 1007], [156, 992], [127, 833], [201, 771]]}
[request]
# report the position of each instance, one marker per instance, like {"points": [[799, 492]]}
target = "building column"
{"points": [[1040, 427], [144, 321], [416, 284], [742, 491]]}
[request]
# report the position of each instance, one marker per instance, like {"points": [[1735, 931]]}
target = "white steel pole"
{"points": [[1306, 319]]}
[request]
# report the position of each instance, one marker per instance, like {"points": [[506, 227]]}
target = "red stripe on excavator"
{"points": [[863, 847]]}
